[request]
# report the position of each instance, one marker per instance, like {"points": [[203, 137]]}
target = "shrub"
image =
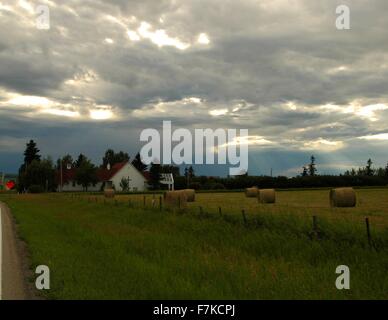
{"points": [[35, 188], [217, 186], [195, 185]]}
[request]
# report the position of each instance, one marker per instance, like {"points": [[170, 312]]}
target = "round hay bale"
{"points": [[176, 199], [190, 193], [267, 195], [109, 193], [251, 192], [343, 198]]}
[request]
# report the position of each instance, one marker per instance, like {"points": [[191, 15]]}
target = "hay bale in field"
{"points": [[109, 193], [190, 193], [175, 199], [343, 198], [251, 192], [266, 195]]}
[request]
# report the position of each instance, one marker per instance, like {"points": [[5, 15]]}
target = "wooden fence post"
{"points": [[220, 211], [160, 203], [244, 217], [144, 201], [368, 232], [315, 233], [315, 224]]}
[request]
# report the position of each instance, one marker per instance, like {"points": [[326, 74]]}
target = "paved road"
{"points": [[12, 283]]}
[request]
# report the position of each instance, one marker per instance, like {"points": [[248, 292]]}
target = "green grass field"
{"points": [[113, 251]]}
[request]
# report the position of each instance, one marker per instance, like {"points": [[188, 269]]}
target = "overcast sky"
{"points": [[105, 70]]}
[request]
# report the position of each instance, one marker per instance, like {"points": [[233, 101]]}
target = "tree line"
{"points": [[308, 178], [38, 174]]}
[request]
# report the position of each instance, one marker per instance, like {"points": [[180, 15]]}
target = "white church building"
{"points": [[113, 175]]}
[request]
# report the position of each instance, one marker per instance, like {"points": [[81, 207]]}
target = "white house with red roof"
{"points": [[137, 181]]}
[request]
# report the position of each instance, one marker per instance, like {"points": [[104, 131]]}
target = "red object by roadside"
{"points": [[10, 185]]}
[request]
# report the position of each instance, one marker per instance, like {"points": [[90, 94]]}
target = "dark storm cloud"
{"points": [[28, 77], [271, 66]]}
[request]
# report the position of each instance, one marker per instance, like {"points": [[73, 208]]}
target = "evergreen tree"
{"points": [[39, 175], [108, 158], [170, 169], [187, 177], [386, 171], [368, 169], [31, 153], [380, 172], [312, 170], [80, 160], [112, 157], [67, 160], [304, 172], [86, 173], [155, 171], [138, 164], [191, 172]]}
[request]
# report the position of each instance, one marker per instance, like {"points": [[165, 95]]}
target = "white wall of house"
{"points": [[70, 187], [136, 180]]}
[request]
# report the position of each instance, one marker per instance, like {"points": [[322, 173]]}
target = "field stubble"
{"points": [[117, 249]]}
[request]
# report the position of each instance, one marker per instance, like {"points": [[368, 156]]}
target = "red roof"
{"points": [[103, 174], [67, 175], [147, 175]]}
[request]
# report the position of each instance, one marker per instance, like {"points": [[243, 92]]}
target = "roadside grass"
{"points": [[111, 251]]}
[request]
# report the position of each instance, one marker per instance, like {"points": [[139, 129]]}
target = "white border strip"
{"points": [[1, 255]]}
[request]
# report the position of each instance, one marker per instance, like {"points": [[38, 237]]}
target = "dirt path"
{"points": [[12, 284]]}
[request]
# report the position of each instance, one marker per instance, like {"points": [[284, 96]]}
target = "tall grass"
{"points": [[108, 251]]}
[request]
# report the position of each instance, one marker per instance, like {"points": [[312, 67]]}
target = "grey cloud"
{"points": [[262, 54]]}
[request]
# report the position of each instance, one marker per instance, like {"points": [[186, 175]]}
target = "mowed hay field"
{"points": [[372, 203], [120, 250]]}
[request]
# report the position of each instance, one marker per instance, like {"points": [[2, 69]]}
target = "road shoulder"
{"points": [[15, 262]]}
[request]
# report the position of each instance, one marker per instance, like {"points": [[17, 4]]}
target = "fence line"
{"points": [[315, 234]]}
